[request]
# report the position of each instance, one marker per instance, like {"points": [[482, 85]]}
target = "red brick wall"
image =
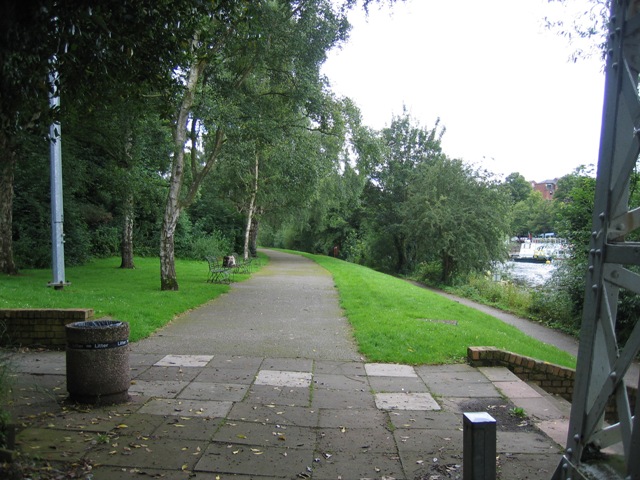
{"points": [[38, 327]]}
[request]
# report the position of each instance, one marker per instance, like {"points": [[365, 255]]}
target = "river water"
{"points": [[532, 274]]}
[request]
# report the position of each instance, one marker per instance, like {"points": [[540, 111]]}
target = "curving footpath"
{"points": [[266, 383]]}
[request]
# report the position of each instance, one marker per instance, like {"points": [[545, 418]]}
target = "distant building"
{"points": [[546, 188]]}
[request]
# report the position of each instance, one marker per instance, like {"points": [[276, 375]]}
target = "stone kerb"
{"points": [[39, 326]]}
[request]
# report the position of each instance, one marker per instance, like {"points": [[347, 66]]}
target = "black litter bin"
{"points": [[98, 362]]}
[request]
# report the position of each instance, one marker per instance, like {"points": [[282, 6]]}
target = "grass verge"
{"points": [[395, 321], [133, 296]]}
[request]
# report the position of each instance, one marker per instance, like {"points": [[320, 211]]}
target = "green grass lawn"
{"points": [[133, 296], [393, 320]]}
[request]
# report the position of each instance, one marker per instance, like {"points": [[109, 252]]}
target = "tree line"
{"points": [[156, 96], [196, 128]]}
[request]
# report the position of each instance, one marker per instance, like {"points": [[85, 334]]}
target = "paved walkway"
{"points": [[266, 383]]}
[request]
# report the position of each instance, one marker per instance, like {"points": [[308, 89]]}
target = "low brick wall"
{"points": [[554, 379], [38, 326]]}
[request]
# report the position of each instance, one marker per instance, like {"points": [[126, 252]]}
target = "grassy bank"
{"points": [[395, 321], [133, 296]]}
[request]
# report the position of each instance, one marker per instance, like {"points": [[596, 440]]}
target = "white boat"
{"points": [[540, 249]]}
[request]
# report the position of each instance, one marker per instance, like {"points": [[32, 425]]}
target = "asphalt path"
{"points": [[287, 309]]}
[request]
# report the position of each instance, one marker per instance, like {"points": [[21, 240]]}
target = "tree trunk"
{"points": [[168, 278], [126, 247], [253, 237], [399, 243], [252, 208], [447, 267], [7, 168]]}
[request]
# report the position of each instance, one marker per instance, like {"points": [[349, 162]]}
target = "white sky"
{"points": [[501, 84]]}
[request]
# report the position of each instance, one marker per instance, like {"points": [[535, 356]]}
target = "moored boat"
{"points": [[539, 249]]}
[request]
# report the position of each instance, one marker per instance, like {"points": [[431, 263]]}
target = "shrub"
{"points": [[503, 294], [203, 246], [554, 307], [429, 272], [105, 241]]}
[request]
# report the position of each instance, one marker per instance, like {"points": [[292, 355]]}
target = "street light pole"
{"points": [[57, 215]]}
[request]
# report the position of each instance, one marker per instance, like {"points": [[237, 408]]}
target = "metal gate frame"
{"points": [[602, 362]]}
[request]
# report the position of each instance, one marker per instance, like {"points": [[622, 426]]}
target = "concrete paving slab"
{"points": [[53, 444], [448, 369], [224, 375], [406, 401], [340, 382], [526, 442], [345, 399], [39, 363], [389, 370], [460, 387], [352, 418], [527, 466], [279, 414], [266, 434], [156, 452], [136, 424], [91, 421], [135, 403], [397, 384], [355, 440], [38, 389], [184, 361], [430, 443], [34, 415], [288, 364], [137, 370], [140, 360], [460, 405], [517, 389], [539, 408], [233, 459], [357, 465], [445, 380], [278, 378], [270, 395], [339, 368], [189, 428], [435, 419], [157, 388], [557, 430], [498, 374], [120, 473], [232, 362], [442, 465], [223, 392], [179, 374], [33, 382], [186, 408]]}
